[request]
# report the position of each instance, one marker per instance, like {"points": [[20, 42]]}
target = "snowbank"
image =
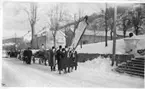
{"points": [[95, 73], [100, 72], [100, 65]]}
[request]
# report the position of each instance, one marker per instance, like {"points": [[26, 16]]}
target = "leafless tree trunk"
{"points": [[32, 17], [124, 33], [111, 37], [54, 39]]}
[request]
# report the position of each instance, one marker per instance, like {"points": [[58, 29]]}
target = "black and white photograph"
{"points": [[73, 44]]}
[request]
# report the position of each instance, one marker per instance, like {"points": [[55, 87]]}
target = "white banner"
{"points": [[78, 33]]}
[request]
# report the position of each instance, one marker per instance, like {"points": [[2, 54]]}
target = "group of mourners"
{"points": [[12, 53], [61, 59], [64, 58]]}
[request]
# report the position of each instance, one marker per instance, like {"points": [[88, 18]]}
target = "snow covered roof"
{"points": [[48, 32]]}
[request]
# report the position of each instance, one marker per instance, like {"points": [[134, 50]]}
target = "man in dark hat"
{"points": [[64, 59], [75, 60], [27, 55], [59, 59], [52, 59]]}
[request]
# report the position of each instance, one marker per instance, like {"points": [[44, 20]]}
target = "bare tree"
{"points": [[56, 16], [126, 24], [32, 18], [138, 16]]}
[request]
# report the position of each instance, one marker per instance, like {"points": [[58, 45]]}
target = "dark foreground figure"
{"points": [[27, 56], [66, 60], [52, 59]]}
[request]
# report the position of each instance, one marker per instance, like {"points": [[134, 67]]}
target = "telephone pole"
{"points": [[114, 36], [106, 27]]}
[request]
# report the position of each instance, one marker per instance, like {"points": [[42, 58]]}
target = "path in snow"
{"points": [[89, 74]]}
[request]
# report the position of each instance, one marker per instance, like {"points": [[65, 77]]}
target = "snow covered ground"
{"points": [[95, 73], [100, 47]]}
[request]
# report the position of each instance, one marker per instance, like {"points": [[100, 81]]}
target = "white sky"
{"points": [[15, 21]]}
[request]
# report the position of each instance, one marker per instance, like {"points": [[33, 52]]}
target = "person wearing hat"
{"points": [[52, 59], [59, 59], [27, 55]]}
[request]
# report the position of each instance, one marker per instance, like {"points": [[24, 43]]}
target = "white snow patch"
{"points": [[95, 73], [100, 47], [100, 71]]}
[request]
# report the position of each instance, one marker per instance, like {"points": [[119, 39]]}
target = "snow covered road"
{"points": [[17, 74]]}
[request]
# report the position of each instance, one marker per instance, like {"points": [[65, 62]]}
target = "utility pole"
{"points": [[106, 27], [114, 36]]}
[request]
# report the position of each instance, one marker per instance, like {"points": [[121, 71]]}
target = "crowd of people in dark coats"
{"points": [[64, 58], [12, 53], [61, 59]]}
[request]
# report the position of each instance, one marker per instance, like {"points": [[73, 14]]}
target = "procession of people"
{"points": [[63, 60]]}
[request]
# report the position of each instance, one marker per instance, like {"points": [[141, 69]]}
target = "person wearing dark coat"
{"points": [[64, 60], [59, 59], [52, 60], [70, 61], [27, 55], [75, 59]]}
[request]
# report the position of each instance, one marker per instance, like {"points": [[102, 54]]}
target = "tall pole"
{"points": [[106, 26], [114, 35]]}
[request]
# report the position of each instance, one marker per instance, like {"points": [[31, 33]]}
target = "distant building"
{"points": [[46, 38], [89, 37]]}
